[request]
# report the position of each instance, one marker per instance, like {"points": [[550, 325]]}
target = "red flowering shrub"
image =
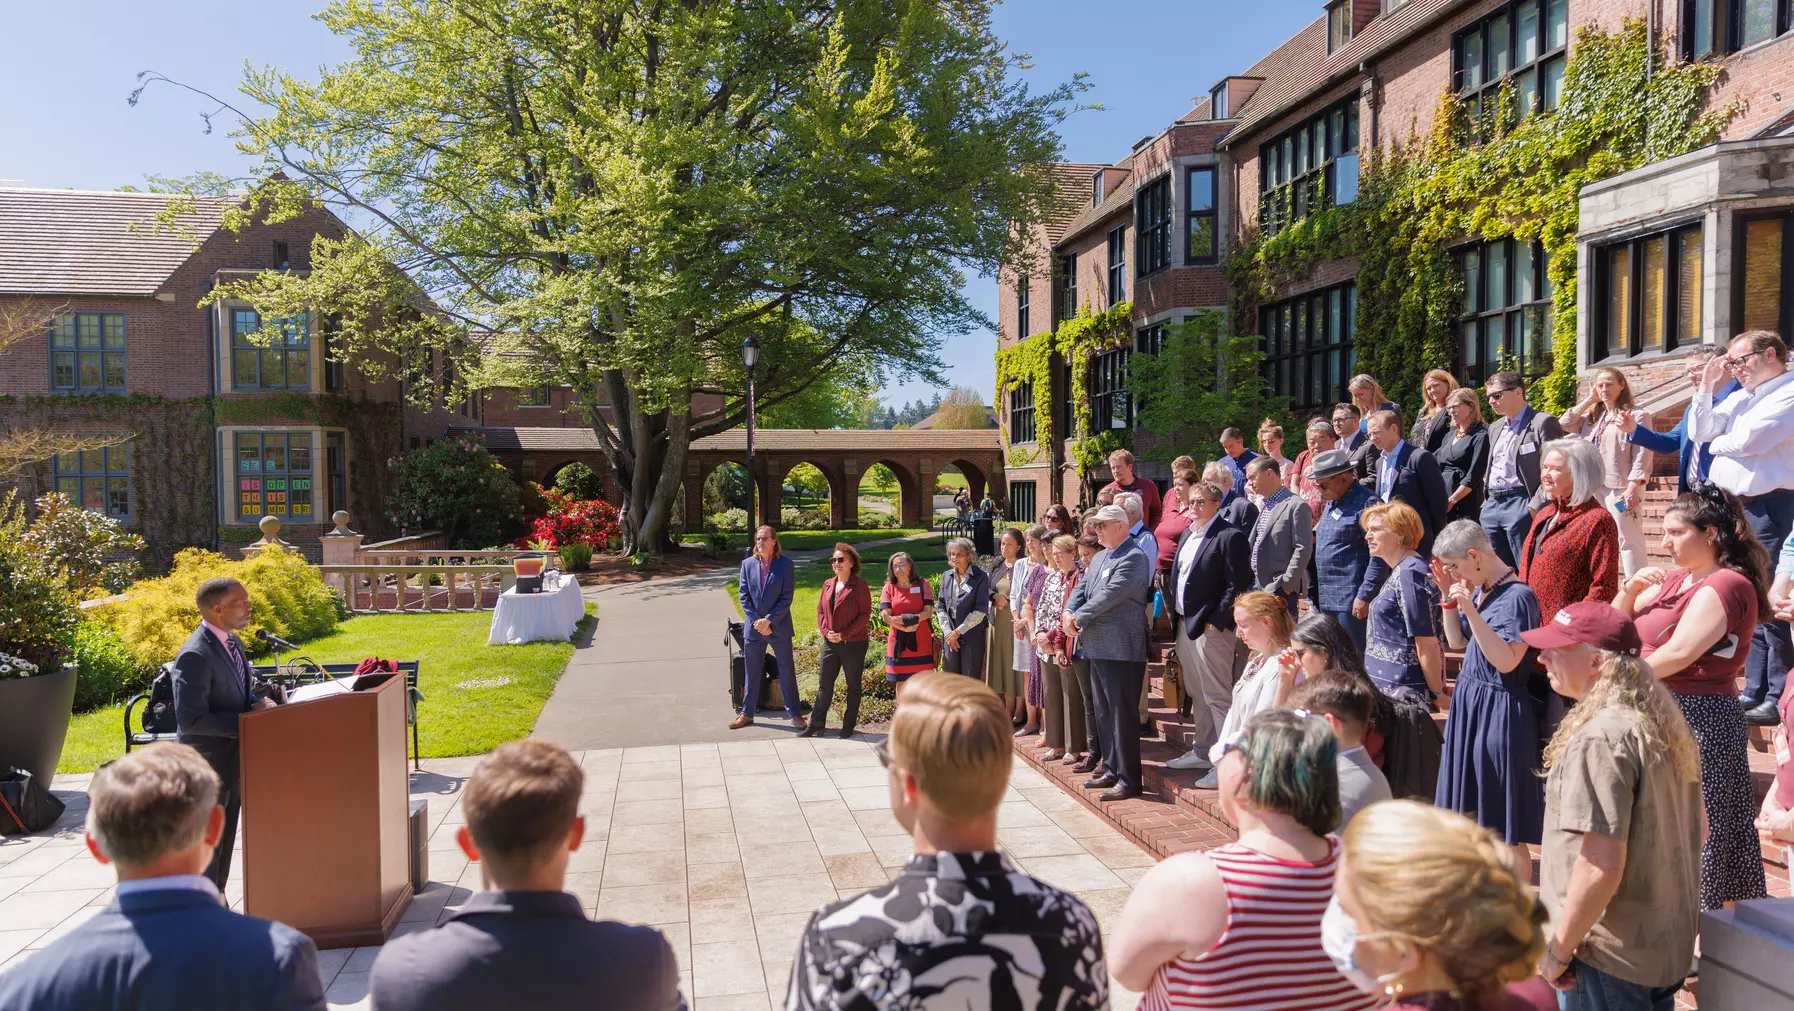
{"points": [[573, 521]]}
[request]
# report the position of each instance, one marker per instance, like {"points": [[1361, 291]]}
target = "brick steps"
{"points": [[1173, 815]]}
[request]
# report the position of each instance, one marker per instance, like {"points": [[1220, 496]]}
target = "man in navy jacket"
{"points": [[167, 941], [1407, 472], [1694, 457], [1347, 576]]}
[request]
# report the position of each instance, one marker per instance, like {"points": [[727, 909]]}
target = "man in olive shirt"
{"points": [[1619, 867]]}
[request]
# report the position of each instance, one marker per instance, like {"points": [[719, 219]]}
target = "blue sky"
{"points": [[66, 123]]}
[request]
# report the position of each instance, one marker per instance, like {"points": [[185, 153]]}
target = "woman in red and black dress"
{"points": [[908, 608]]}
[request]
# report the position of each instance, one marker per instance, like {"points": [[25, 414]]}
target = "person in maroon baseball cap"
{"points": [[1620, 864]]}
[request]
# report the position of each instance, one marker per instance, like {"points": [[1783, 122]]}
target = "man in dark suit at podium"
{"points": [[212, 689]]}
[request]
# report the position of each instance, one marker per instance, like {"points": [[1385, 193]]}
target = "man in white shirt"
{"points": [[1751, 436], [1212, 566]]}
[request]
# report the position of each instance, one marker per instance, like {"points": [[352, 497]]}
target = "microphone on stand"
{"points": [[274, 640]]}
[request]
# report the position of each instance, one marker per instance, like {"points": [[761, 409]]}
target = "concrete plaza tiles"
{"points": [[726, 848]]}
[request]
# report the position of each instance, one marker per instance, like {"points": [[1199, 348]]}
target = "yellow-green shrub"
{"points": [[156, 615]]}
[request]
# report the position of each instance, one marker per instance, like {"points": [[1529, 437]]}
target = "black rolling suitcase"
{"points": [[770, 695]]}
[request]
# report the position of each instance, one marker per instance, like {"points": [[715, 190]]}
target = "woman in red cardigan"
{"points": [[843, 612], [1573, 550]]}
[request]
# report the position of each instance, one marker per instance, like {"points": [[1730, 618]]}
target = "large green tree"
{"points": [[624, 190], [1201, 382]]}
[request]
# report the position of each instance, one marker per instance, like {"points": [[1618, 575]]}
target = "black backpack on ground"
{"points": [[158, 716], [26, 806]]}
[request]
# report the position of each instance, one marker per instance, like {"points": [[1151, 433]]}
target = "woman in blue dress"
{"points": [[1401, 641], [1489, 770]]}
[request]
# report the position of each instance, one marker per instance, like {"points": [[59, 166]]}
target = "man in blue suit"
{"points": [[768, 582], [167, 941], [1105, 613], [1346, 576], [1407, 472], [212, 688], [1694, 457]]}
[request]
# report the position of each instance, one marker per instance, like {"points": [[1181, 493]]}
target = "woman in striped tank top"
{"points": [[1239, 927]]}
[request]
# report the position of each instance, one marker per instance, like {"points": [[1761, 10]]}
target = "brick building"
{"points": [[222, 431], [1680, 252]]}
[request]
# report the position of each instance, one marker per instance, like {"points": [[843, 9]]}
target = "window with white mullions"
{"points": [[1648, 294], [1307, 343], [1309, 168], [87, 352], [1109, 407], [1506, 323], [1021, 413], [1524, 42]]}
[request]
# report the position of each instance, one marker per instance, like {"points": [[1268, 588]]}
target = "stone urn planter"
{"points": [[34, 721]]}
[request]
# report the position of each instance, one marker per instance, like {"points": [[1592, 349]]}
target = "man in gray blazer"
{"points": [[167, 940], [1282, 540], [1104, 613], [527, 943]]}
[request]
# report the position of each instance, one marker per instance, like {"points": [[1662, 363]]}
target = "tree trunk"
{"points": [[650, 472]]}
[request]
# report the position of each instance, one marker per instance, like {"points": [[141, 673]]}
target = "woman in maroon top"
{"points": [[1573, 550], [1696, 620], [843, 614]]}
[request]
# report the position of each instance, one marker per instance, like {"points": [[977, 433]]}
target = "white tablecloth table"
{"points": [[528, 617]]}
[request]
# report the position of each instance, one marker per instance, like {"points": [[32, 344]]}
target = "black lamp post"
{"points": [[750, 356]]}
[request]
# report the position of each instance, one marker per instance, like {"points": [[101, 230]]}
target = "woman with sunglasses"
{"points": [[1240, 926], [1696, 621], [843, 616]]}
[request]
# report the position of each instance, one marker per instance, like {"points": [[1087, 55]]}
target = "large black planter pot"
{"points": [[34, 721]]}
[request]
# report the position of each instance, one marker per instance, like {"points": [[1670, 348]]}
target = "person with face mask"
{"points": [[1427, 911], [1239, 926]]}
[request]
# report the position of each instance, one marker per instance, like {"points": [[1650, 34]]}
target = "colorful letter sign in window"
{"points": [[274, 476]]}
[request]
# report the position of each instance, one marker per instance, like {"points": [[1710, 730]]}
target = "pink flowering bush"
{"points": [[457, 487], [573, 521]]}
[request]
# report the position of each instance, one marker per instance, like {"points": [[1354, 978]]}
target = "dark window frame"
{"points": [[69, 353], [287, 475], [541, 395], [1291, 182], [1339, 25], [1518, 319], [1309, 357], [1021, 413], [239, 344], [283, 257], [1021, 308], [1725, 27], [1117, 265], [1153, 218], [1675, 239], [1096, 187], [1068, 285], [1545, 58], [1212, 214], [1740, 266], [1021, 493], [1107, 387], [1218, 102], [71, 472]]}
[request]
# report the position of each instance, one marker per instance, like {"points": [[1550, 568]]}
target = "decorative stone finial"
{"points": [[341, 518], [270, 526]]}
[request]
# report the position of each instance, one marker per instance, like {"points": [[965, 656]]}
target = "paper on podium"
{"points": [[306, 693]]}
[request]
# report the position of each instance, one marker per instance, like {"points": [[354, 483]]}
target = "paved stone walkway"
{"points": [[726, 847]]}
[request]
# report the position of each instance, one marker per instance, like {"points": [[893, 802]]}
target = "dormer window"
{"points": [[1096, 188], [1217, 102], [1339, 25]]}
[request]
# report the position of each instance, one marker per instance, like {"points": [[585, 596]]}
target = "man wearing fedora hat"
{"points": [[1346, 576], [1105, 615]]}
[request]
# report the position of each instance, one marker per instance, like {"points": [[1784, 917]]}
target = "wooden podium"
{"points": [[325, 833]]}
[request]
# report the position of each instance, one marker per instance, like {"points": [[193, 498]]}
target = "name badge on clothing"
{"points": [[915, 589], [1528, 450]]}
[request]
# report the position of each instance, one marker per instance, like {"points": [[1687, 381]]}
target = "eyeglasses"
{"points": [[1298, 651], [1493, 393], [883, 750], [1737, 361], [838, 559]]}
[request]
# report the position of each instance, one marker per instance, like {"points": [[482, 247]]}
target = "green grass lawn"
{"points": [[929, 556], [476, 697], [810, 540]]}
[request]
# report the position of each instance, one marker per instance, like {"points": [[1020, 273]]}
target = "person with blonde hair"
{"points": [[1464, 456], [1625, 466], [1270, 443], [961, 926], [1262, 622], [1402, 632], [1620, 865], [1434, 420], [1368, 397], [1428, 911]]}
